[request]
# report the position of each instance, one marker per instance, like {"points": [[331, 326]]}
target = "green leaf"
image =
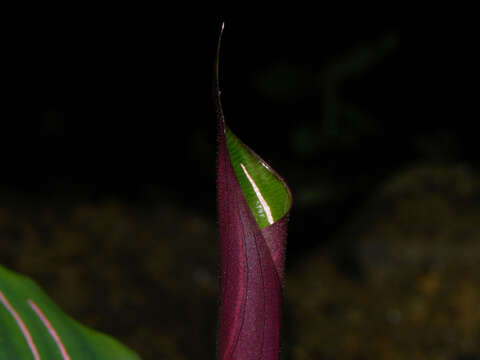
{"points": [[33, 327], [266, 193]]}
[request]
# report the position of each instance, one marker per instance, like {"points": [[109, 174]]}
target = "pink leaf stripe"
{"points": [[50, 329], [252, 266], [21, 325]]}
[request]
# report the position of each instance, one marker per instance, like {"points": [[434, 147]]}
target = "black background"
{"points": [[122, 108]]}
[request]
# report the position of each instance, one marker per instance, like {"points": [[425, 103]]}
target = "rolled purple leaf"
{"points": [[251, 257]]}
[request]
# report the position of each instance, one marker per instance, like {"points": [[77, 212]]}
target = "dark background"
{"points": [[124, 107], [122, 112]]}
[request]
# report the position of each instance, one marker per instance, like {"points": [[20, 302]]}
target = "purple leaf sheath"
{"points": [[252, 267]]}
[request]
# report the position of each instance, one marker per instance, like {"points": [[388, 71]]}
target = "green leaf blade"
{"points": [[53, 334], [267, 195]]}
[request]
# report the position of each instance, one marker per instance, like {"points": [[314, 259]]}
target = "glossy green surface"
{"points": [[17, 294], [266, 193]]}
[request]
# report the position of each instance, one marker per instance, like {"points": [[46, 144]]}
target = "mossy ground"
{"points": [[145, 276], [148, 275], [415, 291]]}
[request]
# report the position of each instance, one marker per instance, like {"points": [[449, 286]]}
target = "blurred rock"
{"points": [[401, 281], [415, 295]]}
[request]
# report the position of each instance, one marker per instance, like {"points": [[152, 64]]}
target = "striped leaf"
{"points": [[33, 327]]}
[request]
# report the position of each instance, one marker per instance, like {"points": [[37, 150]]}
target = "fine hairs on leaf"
{"points": [[253, 205]]}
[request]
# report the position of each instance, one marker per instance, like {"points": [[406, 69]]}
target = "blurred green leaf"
{"points": [[33, 327]]}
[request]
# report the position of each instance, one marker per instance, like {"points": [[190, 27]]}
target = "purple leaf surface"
{"points": [[252, 266]]}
